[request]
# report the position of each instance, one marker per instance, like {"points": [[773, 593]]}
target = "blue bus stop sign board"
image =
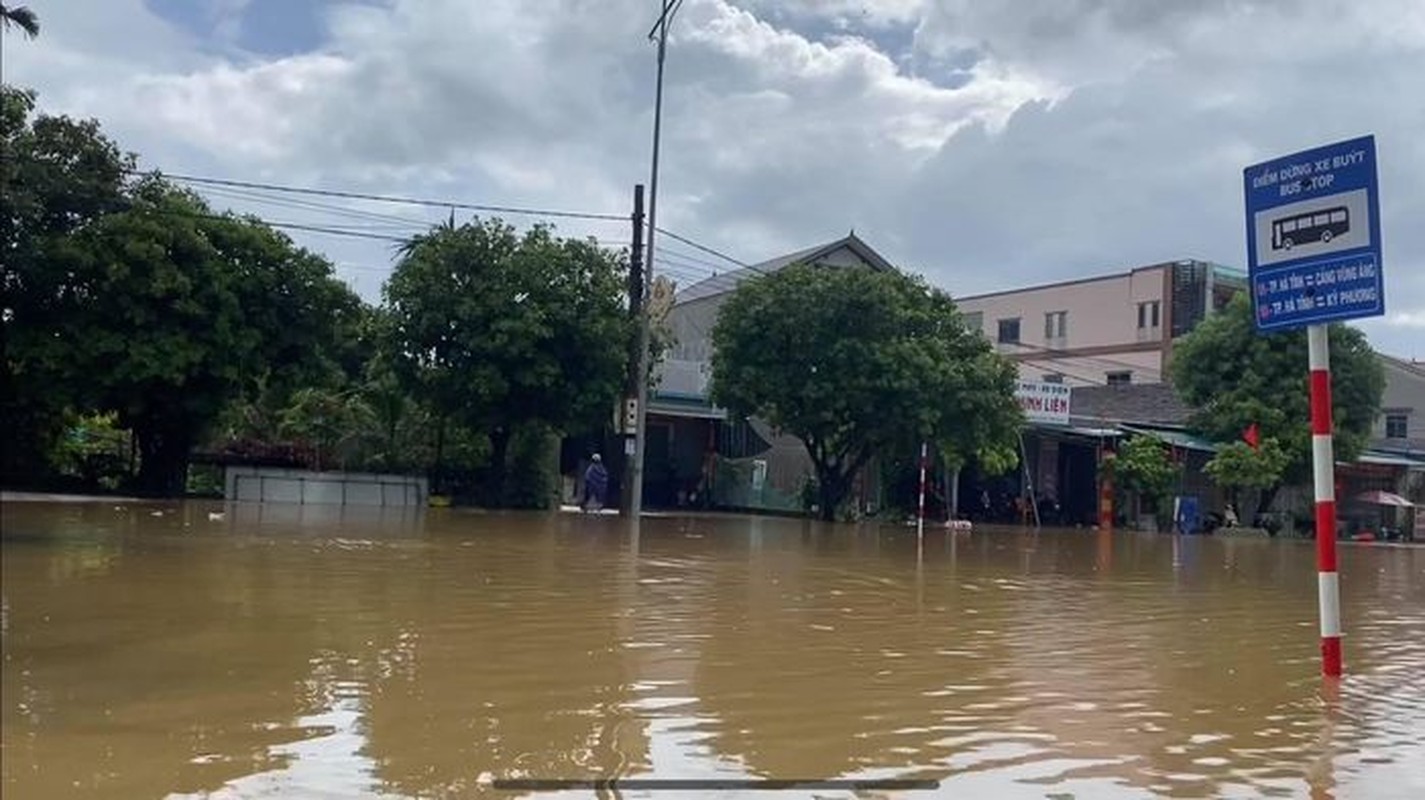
{"points": [[1313, 236]]}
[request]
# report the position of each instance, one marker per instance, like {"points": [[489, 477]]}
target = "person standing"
{"points": [[596, 484]]}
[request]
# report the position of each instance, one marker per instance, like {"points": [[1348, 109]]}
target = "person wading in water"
{"points": [[596, 483]]}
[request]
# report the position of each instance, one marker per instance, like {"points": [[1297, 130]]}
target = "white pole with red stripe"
{"points": [[1323, 462], [920, 514]]}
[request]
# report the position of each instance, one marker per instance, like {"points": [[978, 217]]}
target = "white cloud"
{"points": [[987, 144]]}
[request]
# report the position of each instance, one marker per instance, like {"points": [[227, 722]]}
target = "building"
{"points": [[695, 455], [1108, 337], [1106, 330], [1401, 427]]}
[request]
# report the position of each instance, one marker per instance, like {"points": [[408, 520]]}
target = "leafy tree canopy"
{"points": [[57, 175], [1238, 466], [854, 362], [163, 312], [1232, 376], [499, 331], [1143, 465]]}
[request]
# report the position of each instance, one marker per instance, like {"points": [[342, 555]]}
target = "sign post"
{"points": [[1045, 403], [1314, 257]]}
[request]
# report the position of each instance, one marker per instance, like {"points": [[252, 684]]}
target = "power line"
{"points": [[713, 267], [1044, 354], [704, 248], [344, 211], [378, 198], [300, 226], [690, 265]]}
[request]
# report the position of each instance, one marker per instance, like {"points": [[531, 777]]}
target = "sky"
{"points": [[986, 145]]}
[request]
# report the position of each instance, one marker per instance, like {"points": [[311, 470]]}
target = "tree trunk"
{"points": [[831, 489], [499, 465], [163, 459], [952, 494], [1264, 503]]}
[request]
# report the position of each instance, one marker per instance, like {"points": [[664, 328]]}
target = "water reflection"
{"points": [[203, 650]]}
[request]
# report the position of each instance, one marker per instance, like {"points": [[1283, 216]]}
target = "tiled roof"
{"points": [[1143, 403]]}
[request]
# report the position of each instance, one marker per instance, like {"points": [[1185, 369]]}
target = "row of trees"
{"points": [[130, 304]]}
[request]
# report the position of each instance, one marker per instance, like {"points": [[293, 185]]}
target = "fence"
{"points": [[302, 487]]}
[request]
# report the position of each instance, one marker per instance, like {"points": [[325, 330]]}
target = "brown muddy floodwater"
{"points": [[153, 651]]}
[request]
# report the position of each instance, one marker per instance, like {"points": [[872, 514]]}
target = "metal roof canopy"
{"points": [[1176, 438], [1387, 459], [1075, 430]]}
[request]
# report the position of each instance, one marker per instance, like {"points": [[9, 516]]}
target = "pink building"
{"points": [[1106, 330]]}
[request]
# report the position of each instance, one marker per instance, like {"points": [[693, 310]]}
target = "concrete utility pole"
{"points": [[640, 437], [637, 310]]}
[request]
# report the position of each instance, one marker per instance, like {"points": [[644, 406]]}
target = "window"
{"points": [[975, 321], [1148, 315], [1056, 325], [1120, 378], [1396, 426], [1053, 377], [1009, 331]]}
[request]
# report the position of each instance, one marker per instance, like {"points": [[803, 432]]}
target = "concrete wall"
{"points": [[302, 487], [1101, 332], [1101, 311], [1405, 396], [1144, 367], [691, 323]]}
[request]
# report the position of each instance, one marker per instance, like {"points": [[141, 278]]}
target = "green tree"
{"points": [[1231, 376], [334, 424], [93, 450], [1144, 467], [58, 175], [165, 311], [856, 362], [496, 331], [21, 17], [1237, 466]]}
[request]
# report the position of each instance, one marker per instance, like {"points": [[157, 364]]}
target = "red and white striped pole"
{"points": [[1323, 463], [920, 514]]}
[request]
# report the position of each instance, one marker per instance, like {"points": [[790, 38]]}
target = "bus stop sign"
{"points": [[1313, 236]]}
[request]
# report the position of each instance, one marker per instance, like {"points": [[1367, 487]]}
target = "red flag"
{"points": [[1252, 436]]}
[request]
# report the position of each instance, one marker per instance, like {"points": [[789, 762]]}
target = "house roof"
{"points": [[728, 281], [1143, 403], [1415, 368]]}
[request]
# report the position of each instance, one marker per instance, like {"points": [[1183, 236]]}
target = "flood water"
{"points": [[159, 651]]}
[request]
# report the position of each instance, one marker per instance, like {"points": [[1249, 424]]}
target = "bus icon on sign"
{"points": [[1316, 226]]}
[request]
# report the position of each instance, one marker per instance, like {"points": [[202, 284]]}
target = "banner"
{"points": [[1044, 402]]}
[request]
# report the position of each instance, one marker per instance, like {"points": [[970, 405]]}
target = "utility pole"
{"points": [[636, 360], [640, 437]]}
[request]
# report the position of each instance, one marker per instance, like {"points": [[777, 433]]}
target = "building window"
{"points": [[1009, 331], [1053, 377], [1120, 378], [1396, 427], [975, 322], [1149, 315], [1056, 325]]}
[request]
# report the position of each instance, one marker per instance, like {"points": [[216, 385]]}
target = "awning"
{"points": [[1178, 439], [1380, 498], [1074, 430], [671, 405], [1389, 460]]}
